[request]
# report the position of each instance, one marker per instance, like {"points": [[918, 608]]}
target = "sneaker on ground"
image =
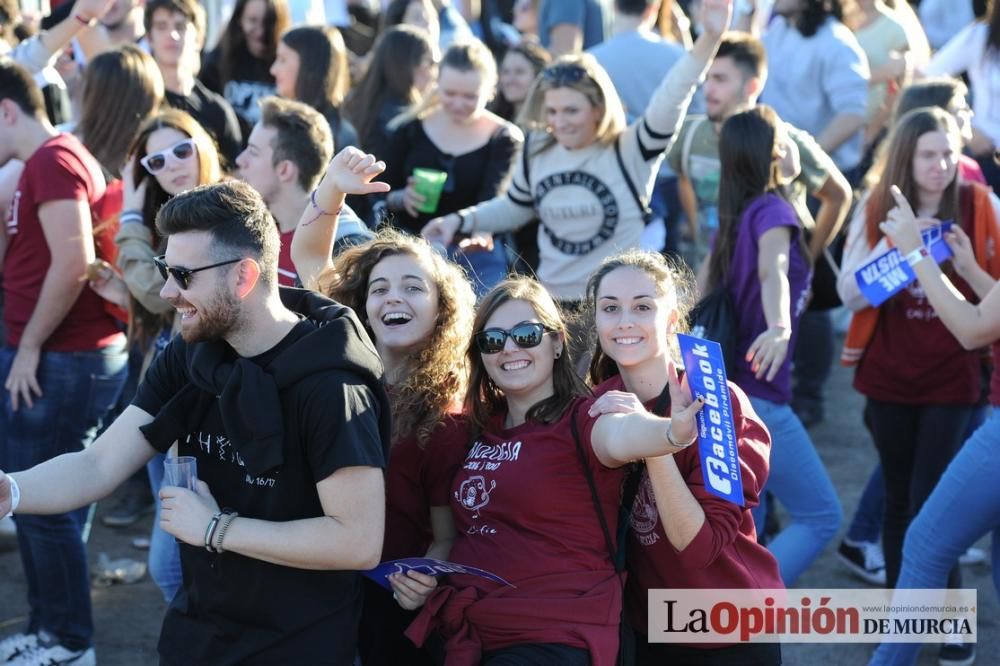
{"points": [[15, 645], [129, 510], [972, 556], [48, 652], [956, 653], [864, 559]]}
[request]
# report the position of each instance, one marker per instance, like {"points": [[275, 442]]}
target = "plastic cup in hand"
{"points": [[181, 471], [429, 183]]}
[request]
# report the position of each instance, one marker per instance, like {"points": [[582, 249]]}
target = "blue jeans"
{"points": [[799, 481], [164, 555], [485, 268], [78, 391], [964, 505]]}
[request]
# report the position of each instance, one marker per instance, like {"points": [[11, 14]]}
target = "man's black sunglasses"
{"points": [[183, 275], [525, 336]]}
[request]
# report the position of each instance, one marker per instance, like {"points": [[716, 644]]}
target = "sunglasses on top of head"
{"points": [[155, 162], [563, 73], [525, 336], [182, 276]]}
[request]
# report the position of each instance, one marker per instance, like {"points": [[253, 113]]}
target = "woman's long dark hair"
{"points": [[323, 79], [992, 18], [396, 55], [233, 44], [748, 170], [539, 58]]}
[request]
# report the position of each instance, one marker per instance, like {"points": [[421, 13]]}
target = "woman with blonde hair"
{"points": [[452, 131], [585, 174]]}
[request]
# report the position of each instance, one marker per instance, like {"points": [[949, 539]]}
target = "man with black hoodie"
{"points": [[278, 396]]}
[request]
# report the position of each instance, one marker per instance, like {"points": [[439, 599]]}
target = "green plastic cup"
{"points": [[429, 183]]}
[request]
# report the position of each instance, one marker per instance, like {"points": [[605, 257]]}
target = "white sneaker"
{"points": [[14, 646], [55, 655], [972, 556], [864, 559]]}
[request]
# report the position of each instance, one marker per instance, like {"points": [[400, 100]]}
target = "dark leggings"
{"points": [[744, 654], [915, 444], [537, 654]]}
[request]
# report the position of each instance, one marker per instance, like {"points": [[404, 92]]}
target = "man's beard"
{"points": [[216, 321]]}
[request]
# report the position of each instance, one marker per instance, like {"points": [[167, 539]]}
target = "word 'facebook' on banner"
{"points": [[812, 616], [888, 274], [706, 375]]}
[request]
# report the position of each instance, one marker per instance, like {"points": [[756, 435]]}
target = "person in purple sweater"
{"points": [[760, 257]]}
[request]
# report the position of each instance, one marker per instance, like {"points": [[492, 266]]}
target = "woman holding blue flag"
{"points": [[965, 504], [760, 258], [921, 385], [680, 534], [536, 501]]}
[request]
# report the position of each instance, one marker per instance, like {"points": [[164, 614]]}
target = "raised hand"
{"points": [[716, 15], [351, 171], [901, 224], [683, 406], [92, 9]]}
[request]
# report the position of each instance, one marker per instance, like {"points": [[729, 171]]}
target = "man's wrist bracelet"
{"points": [[227, 519], [918, 255], [210, 531]]}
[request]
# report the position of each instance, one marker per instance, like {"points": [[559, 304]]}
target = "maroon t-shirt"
{"points": [[420, 478], [524, 511], [61, 169], [287, 275], [913, 358], [725, 552]]}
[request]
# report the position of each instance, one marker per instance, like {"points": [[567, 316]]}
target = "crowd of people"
{"points": [[408, 283]]}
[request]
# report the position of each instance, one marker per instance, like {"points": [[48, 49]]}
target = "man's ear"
{"points": [[247, 276], [287, 171], [10, 112]]}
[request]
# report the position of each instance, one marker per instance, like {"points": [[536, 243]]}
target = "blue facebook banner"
{"points": [[428, 566], [706, 375], [888, 274]]}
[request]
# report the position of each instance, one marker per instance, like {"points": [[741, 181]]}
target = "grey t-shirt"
{"points": [[636, 61]]}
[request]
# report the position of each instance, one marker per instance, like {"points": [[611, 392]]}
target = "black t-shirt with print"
{"points": [[235, 609], [249, 82]]}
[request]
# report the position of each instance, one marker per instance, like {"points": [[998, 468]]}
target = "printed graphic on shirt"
{"points": [[220, 448], [601, 206], [474, 493], [243, 96], [12, 214], [644, 514]]}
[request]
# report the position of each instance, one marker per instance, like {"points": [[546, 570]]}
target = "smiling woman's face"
{"points": [[402, 303], [178, 175]]}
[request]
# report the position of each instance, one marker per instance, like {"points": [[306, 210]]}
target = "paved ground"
{"points": [[128, 617]]}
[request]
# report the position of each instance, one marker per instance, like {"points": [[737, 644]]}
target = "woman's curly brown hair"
{"points": [[436, 377]]}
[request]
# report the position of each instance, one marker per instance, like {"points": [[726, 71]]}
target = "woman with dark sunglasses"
{"points": [[584, 174], [680, 535], [171, 154], [541, 457]]}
